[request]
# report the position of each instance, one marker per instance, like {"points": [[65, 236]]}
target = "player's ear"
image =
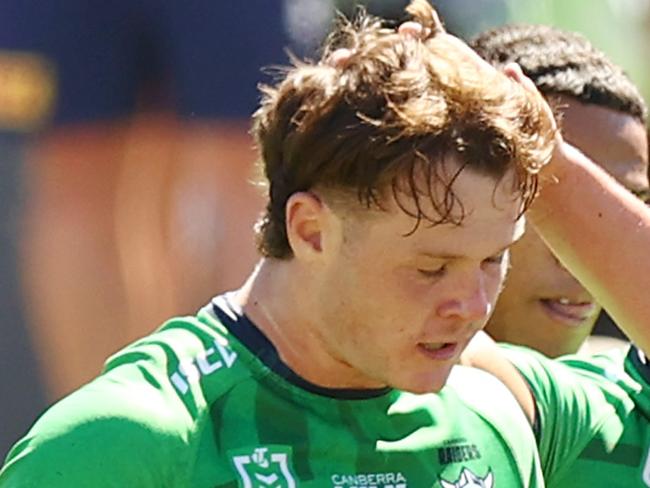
{"points": [[305, 219]]}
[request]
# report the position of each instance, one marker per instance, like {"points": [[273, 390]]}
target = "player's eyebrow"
{"points": [[451, 256]]}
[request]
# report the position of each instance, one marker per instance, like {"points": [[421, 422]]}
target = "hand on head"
{"points": [[514, 72], [511, 70]]}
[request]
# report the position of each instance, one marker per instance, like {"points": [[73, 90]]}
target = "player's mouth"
{"points": [[440, 351], [567, 311]]}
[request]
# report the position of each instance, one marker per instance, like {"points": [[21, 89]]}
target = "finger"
{"points": [[414, 29], [514, 71], [340, 58]]}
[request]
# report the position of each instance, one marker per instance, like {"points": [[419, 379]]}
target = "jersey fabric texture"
{"points": [[593, 417], [205, 402]]}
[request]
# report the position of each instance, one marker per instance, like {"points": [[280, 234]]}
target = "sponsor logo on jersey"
{"points": [[459, 453], [265, 467], [467, 479], [207, 362], [369, 480]]}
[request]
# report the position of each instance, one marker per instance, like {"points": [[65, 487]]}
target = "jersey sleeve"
{"points": [[117, 431], [576, 400]]}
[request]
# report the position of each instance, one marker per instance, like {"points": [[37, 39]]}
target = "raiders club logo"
{"points": [[467, 479]]}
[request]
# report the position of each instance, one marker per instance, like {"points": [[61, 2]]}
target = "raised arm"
{"points": [[601, 232]]}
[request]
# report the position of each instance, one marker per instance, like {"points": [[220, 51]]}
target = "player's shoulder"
{"points": [[592, 389], [107, 426], [484, 393], [147, 409], [608, 369], [622, 373], [189, 363], [493, 401], [540, 370]]}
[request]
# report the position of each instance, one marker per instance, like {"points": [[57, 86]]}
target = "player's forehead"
{"points": [[485, 218], [615, 140]]}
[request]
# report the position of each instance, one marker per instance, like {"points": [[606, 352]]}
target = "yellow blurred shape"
{"points": [[27, 91]]}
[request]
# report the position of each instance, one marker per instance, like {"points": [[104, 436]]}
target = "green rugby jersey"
{"points": [[205, 402], [594, 413]]}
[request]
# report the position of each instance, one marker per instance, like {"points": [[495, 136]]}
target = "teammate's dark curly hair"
{"points": [[562, 63]]}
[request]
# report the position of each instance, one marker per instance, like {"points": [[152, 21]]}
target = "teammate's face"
{"points": [[542, 305], [399, 307]]}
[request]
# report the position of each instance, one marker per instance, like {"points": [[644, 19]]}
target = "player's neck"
{"points": [[279, 302], [271, 299]]}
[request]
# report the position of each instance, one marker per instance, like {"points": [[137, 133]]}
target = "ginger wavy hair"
{"points": [[373, 124]]}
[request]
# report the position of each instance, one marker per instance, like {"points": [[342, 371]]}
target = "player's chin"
{"points": [[427, 382]]}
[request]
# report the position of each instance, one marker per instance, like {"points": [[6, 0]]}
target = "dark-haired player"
{"points": [[591, 414], [603, 114]]}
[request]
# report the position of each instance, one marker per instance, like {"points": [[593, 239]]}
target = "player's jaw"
{"points": [[423, 374]]}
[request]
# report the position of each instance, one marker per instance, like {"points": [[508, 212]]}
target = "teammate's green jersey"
{"points": [[205, 402], [594, 417]]}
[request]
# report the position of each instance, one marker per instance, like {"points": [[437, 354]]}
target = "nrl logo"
{"points": [[467, 479], [265, 467]]}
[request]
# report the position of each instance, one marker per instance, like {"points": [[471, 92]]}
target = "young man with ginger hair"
{"points": [[398, 168]]}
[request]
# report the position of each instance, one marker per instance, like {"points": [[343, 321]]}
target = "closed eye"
{"points": [[433, 273], [497, 258]]}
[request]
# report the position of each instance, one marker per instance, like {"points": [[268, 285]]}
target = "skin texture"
{"points": [[362, 299], [528, 311]]}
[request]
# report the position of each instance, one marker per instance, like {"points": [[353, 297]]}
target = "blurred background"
{"points": [[125, 160]]}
